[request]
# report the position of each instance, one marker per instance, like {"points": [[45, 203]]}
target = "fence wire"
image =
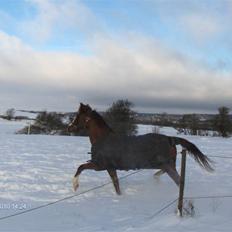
{"points": [[65, 198], [105, 184]]}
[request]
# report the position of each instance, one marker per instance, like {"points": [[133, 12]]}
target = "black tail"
{"points": [[200, 158]]}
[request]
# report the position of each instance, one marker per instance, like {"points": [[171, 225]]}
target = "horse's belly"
{"points": [[132, 153]]}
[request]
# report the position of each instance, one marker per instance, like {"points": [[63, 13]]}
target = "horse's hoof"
{"points": [[119, 193], [75, 183]]}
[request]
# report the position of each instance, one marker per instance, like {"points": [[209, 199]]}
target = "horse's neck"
{"points": [[96, 132]]}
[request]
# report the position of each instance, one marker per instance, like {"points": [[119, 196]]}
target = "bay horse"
{"points": [[112, 152]]}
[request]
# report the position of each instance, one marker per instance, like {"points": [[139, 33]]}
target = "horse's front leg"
{"points": [[114, 178], [82, 167]]}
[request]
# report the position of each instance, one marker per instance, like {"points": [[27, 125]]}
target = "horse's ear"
{"points": [[88, 106], [82, 106]]}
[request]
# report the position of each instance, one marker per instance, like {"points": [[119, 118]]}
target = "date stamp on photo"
{"points": [[14, 206]]}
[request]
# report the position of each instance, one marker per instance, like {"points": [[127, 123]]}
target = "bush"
{"points": [[121, 118], [46, 123], [10, 113], [189, 124], [222, 122], [51, 121]]}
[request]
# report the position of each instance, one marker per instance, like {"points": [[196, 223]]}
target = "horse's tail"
{"points": [[193, 150]]}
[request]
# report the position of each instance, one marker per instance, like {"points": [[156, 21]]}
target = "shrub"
{"points": [[121, 117]]}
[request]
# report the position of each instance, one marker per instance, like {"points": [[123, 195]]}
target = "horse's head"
{"points": [[81, 119]]}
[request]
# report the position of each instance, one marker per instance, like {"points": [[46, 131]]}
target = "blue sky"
{"points": [[163, 55]]}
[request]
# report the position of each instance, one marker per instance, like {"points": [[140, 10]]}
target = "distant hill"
{"points": [[204, 121]]}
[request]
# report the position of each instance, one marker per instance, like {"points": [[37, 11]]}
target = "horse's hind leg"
{"points": [[173, 153], [114, 178], [171, 171], [159, 173], [88, 165]]}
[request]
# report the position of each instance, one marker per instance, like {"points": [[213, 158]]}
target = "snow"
{"points": [[38, 169], [25, 114]]}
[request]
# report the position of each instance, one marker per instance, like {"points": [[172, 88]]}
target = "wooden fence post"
{"points": [[182, 181], [29, 128]]}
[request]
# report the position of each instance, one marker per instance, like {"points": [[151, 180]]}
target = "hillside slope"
{"points": [[38, 169]]}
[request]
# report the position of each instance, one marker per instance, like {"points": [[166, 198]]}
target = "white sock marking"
{"points": [[75, 182]]}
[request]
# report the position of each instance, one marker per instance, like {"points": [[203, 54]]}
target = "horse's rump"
{"points": [[131, 152]]}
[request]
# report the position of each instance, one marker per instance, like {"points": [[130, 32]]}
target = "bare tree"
{"points": [[10, 113]]}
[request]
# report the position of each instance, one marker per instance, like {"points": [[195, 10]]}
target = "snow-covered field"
{"points": [[38, 169]]}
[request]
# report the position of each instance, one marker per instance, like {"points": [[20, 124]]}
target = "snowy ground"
{"points": [[38, 169]]}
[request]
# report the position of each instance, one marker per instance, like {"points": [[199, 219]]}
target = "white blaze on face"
{"points": [[75, 182]]}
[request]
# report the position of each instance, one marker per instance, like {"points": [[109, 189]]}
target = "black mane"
{"points": [[99, 120]]}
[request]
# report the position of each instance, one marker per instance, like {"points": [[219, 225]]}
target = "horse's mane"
{"points": [[99, 120]]}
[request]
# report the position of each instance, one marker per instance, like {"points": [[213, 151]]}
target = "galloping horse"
{"points": [[114, 152]]}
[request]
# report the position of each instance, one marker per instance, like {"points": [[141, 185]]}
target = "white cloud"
{"points": [[41, 26], [201, 21], [58, 15], [150, 75], [202, 26]]}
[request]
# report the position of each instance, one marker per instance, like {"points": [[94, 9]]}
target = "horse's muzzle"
{"points": [[71, 128]]}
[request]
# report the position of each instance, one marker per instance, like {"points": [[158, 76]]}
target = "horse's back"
{"points": [[131, 152]]}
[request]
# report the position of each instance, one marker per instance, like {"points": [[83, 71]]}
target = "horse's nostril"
{"points": [[69, 129], [72, 128]]}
